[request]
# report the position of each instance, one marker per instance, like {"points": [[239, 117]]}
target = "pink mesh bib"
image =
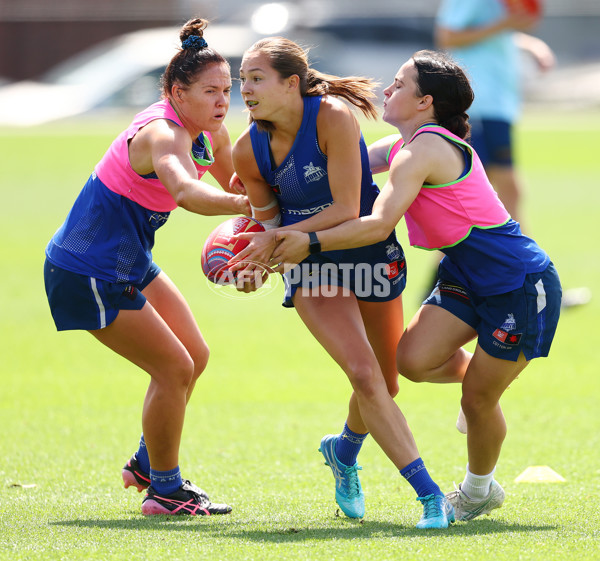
{"points": [[115, 171], [443, 215]]}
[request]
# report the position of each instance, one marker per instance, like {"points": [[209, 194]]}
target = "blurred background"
{"points": [[73, 57]]}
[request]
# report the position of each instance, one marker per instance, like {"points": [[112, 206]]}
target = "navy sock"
{"points": [[165, 482], [417, 475], [348, 446], [142, 456]]}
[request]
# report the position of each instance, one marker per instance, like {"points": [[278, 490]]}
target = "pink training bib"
{"points": [[444, 215], [115, 171]]}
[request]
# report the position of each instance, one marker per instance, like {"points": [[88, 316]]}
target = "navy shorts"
{"points": [[81, 302], [374, 273], [492, 140], [521, 321]]}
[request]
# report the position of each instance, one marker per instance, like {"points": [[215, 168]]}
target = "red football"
{"points": [[219, 247]]}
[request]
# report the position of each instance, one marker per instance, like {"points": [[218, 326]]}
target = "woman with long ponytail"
{"points": [[304, 164]]}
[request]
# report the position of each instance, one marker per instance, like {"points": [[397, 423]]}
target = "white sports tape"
{"points": [[272, 204], [272, 222]]}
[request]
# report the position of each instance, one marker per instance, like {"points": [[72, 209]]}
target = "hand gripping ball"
{"points": [[220, 247]]}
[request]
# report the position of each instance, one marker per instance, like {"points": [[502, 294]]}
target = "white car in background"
{"points": [[121, 72]]}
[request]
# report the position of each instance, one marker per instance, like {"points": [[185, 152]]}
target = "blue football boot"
{"points": [[348, 491]]}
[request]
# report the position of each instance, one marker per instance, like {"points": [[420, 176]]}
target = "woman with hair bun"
{"points": [[304, 164], [99, 273], [494, 284]]}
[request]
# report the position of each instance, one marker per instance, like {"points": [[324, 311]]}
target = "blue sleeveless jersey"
{"points": [[301, 183], [106, 236]]}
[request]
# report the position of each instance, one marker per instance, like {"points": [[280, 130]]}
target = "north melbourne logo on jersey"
{"points": [[313, 173], [504, 335], [392, 251]]}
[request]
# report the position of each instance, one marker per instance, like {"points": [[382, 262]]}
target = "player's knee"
{"points": [[364, 377], [474, 405], [411, 367], [200, 357], [181, 370]]}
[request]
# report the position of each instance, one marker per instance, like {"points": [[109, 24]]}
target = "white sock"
{"points": [[477, 486]]}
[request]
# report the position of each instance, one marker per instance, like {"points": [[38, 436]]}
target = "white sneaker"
{"points": [[467, 509], [461, 422]]}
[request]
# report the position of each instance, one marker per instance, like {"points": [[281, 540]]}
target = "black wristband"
{"points": [[314, 245]]}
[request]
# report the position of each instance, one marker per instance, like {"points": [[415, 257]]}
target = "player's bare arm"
{"points": [[378, 152], [170, 154], [407, 174], [261, 198]]}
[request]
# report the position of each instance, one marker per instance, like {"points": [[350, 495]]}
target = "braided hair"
{"points": [[439, 76]]}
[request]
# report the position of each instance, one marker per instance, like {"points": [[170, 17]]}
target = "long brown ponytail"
{"points": [[288, 58]]}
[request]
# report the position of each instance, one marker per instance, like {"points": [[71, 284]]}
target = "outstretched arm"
{"points": [[378, 153], [539, 50], [403, 185], [165, 148], [428, 159]]}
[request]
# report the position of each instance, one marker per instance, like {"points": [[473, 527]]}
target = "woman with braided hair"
{"points": [[304, 164], [495, 285], [99, 272]]}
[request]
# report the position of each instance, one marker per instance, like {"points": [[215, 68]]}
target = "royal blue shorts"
{"points": [[80, 302], [373, 273], [521, 321], [492, 140]]}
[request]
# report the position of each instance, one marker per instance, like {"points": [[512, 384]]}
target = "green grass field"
{"points": [[70, 410]]}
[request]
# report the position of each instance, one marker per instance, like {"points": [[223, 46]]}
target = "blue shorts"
{"points": [[80, 302], [521, 321], [374, 273], [492, 140]]}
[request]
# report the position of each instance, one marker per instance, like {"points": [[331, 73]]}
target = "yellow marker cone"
{"points": [[539, 474]]}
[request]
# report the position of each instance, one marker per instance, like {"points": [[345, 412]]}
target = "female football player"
{"points": [[99, 272], [494, 284], [304, 164]]}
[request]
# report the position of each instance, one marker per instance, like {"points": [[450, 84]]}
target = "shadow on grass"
{"points": [[225, 527]]}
